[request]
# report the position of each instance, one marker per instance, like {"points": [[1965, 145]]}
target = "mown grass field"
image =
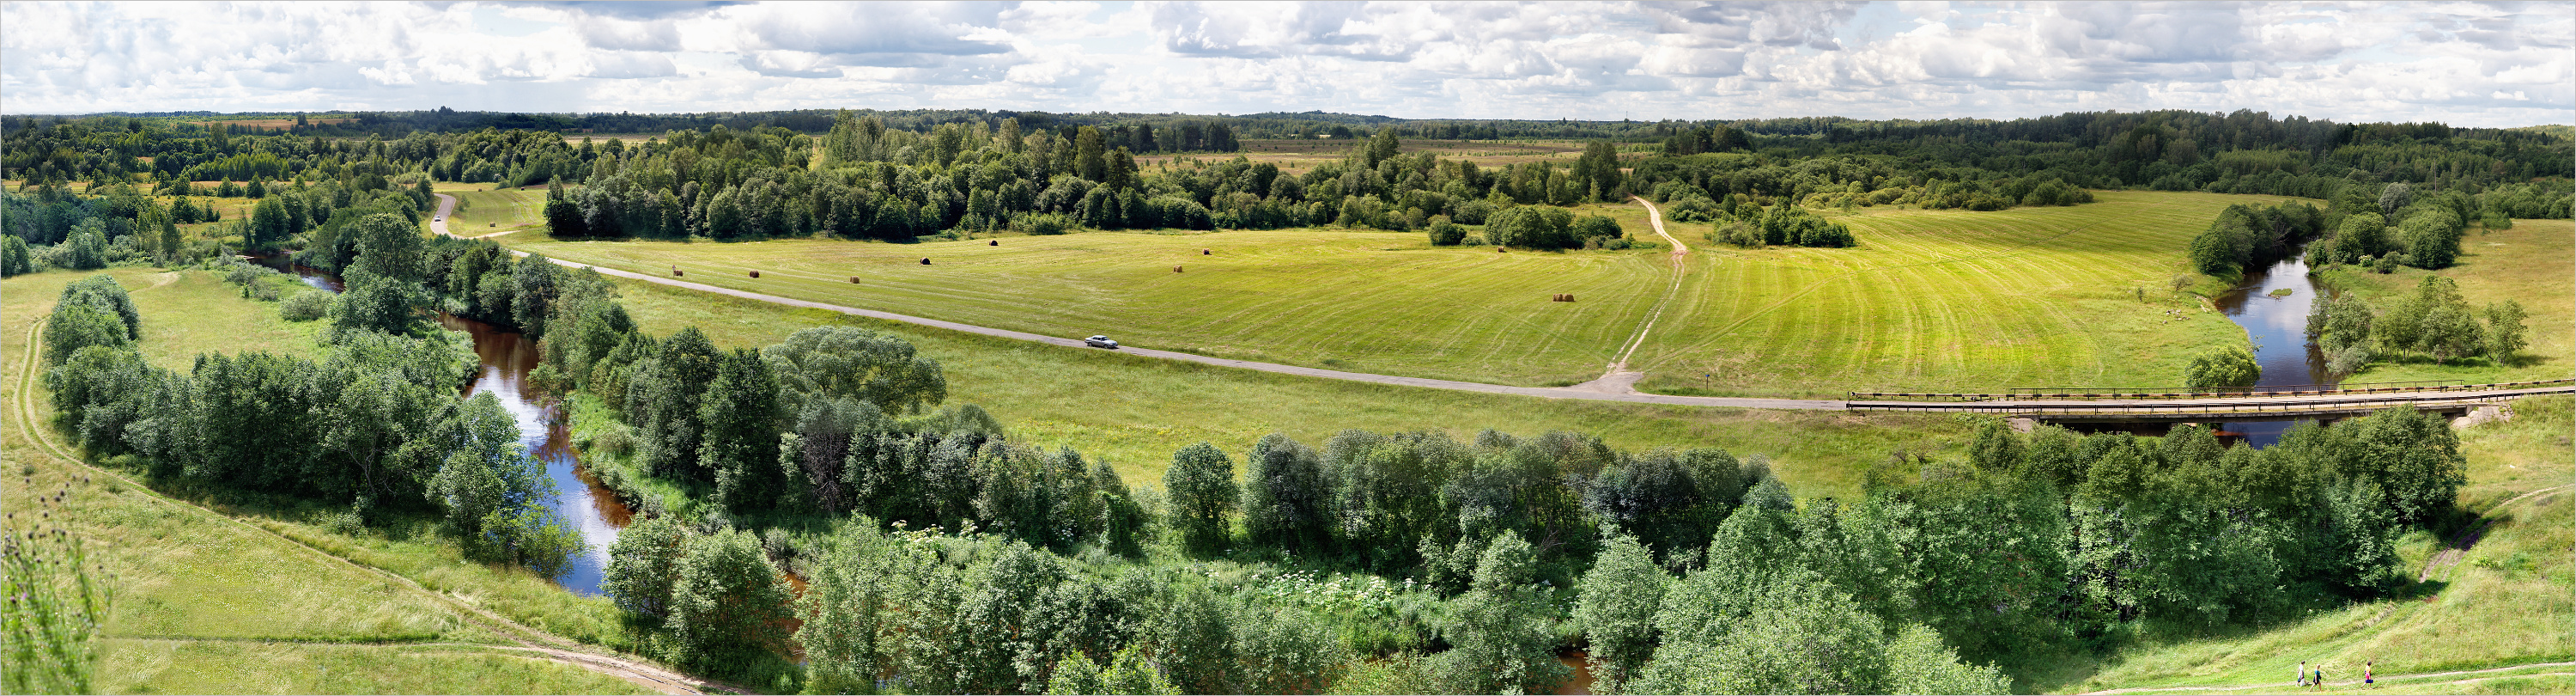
{"points": [[205, 603], [1947, 301], [1363, 301], [2506, 600], [1134, 411], [2534, 264], [1930, 301], [481, 210]]}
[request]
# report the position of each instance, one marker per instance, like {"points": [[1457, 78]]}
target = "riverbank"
{"points": [[2534, 263]]}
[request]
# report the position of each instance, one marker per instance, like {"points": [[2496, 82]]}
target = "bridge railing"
{"points": [[2062, 393]]}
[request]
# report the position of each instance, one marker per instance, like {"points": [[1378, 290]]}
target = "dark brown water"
{"points": [[1580, 680], [2278, 326], [580, 501]]}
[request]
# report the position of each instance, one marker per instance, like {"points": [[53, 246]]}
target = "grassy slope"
{"points": [[2534, 264], [191, 585], [1136, 411], [1947, 301], [1941, 300], [2508, 600], [481, 210]]}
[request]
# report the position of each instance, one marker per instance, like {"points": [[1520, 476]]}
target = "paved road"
{"points": [[1591, 391], [447, 204]]}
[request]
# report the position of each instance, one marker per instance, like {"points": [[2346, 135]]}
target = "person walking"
{"points": [[2320, 681], [2366, 676], [2303, 672]]}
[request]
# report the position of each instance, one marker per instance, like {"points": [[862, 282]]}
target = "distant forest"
{"points": [[901, 175]]}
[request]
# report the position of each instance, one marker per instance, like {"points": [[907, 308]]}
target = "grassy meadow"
{"points": [[206, 602], [482, 210], [1930, 300], [2534, 264]]}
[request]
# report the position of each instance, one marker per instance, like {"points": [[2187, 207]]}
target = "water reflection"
{"points": [[581, 502], [2278, 325]]}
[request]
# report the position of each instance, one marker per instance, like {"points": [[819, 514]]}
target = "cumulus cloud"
{"points": [[2471, 64]]}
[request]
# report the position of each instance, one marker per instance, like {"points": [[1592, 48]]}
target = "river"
{"points": [[2278, 325], [506, 359]]}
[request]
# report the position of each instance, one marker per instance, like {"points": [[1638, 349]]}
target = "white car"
{"points": [[1100, 342], [438, 218]]}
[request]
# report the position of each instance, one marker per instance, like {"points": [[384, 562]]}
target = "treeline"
{"points": [[376, 426], [2379, 227], [2434, 321]]}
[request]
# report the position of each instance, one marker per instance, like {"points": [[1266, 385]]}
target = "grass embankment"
{"points": [[2496, 592], [2534, 264], [1136, 411], [1930, 301], [208, 604]]}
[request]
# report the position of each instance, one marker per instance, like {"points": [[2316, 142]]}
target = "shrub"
{"points": [[1446, 233], [306, 306], [2222, 367], [1043, 224]]}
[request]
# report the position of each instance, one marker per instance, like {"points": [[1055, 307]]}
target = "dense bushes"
{"points": [[2433, 321], [2247, 237]]}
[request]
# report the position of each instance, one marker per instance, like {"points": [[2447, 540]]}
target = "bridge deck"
{"points": [[2238, 407]]}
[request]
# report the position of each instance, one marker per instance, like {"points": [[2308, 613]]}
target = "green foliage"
{"points": [[1287, 502], [496, 496], [1498, 633], [2504, 330], [1203, 491], [728, 607], [827, 362], [306, 306], [85, 249], [1446, 233], [2245, 237], [2222, 367], [75, 325], [644, 565], [1535, 227], [739, 448], [1617, 611], [15, 259]]}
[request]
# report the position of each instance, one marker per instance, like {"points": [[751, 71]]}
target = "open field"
{"points": [[199, 596], [2507, 599], [481, 210], [1947, 301], [1931, 300], [1295, 155], [1363, 301], [1135, 411], [2534, 264]]}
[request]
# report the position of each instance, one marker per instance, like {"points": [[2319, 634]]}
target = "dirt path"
{"points": [[2383, 680], [1624, 380], [2449, 556], [551, 646]]}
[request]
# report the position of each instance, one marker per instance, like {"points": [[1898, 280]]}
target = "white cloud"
{"points": [[2469, 64]]}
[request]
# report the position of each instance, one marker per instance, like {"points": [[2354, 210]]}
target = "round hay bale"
{"points": [[854, 280], [997, 242], [1207, 252], [755, 274], [925, 261], [1569, 297], [1500, 250]]}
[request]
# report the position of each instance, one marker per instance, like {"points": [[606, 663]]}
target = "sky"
{"points": [[2467, 64]]}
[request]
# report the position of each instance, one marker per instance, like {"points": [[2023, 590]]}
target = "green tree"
{"points": [[2222, 367], [74, 326], [15, 258], [1498, 634], [739, 449], [827, 362], [644, 565], [728, 607], [1621, 594], [1287, 503], [494, 494], [1203, 491], [86, 248], [1090, 154], [2504, 332]]}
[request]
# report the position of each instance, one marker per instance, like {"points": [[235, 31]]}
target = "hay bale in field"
{"points": [[1569, 297], [755, 274], [1207, 252], [1500, 250], [1176, 269], [675, 270], [997, 242], [925, 261], [854, 280]]}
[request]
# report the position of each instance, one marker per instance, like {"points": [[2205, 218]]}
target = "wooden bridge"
{"points": [[2178, 406]]}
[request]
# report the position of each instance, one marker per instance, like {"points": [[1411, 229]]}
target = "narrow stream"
{"points": [[580, 501], [507, 358], [2278, 325]]}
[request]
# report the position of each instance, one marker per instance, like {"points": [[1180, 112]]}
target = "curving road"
{"points": [[1612, 387]]}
